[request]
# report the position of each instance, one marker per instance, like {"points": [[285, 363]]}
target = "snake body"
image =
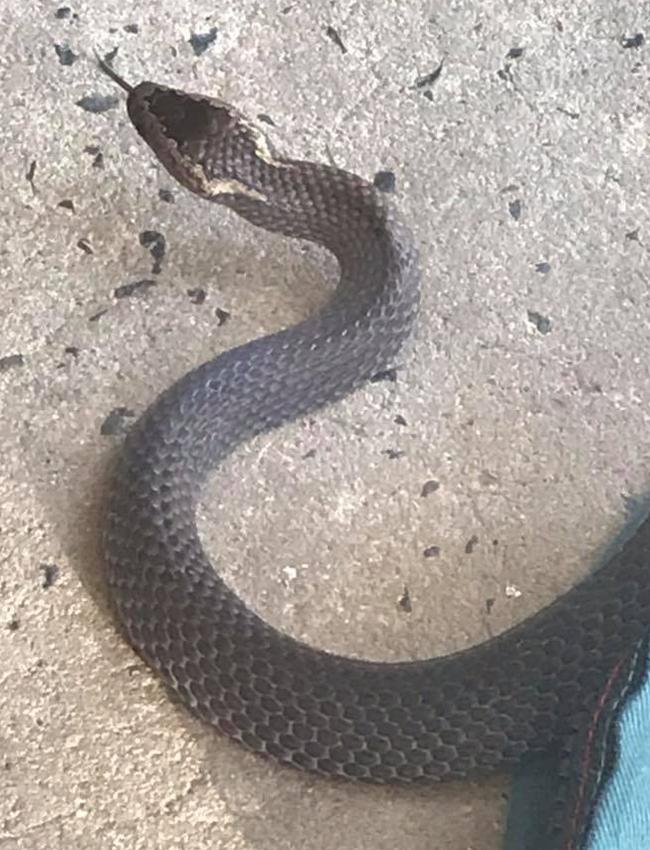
{"points": [[450, 717]]}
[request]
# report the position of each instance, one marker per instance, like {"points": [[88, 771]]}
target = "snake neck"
{"points": [[275, 379], [339, 211]]}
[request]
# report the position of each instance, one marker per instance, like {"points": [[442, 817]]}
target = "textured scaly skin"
{"points": [[450, 717]]}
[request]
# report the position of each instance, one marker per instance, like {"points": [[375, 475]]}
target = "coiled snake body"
{"points": [[449, 717]]}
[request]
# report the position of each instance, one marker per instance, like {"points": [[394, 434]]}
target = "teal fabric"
{"points": [[622, 816]]}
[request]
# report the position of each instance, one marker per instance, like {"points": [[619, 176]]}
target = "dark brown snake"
{"points": [[450, 717]]}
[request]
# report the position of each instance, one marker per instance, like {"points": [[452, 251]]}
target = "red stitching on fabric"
{"points": [[586, 759]]}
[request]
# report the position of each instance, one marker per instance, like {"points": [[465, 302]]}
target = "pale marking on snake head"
{"points": [[225, 186], [233, 187], [261, 142], [262, 147]]}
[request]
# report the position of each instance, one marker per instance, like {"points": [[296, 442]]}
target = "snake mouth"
{"points": [[204, 142], [177, 126], [184, 120]]}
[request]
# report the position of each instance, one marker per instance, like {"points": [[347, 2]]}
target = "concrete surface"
{"points": [[523, 167]]}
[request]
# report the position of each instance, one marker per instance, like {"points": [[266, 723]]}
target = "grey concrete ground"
{"points": [[523, 168]]}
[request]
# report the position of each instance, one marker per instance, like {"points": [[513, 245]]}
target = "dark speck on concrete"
{"points": [[399, 420], [166, 196], [50, 574], [266, 119], [569, 113], [132, 28], [84, 245], [384, 375], [431, 552], [11, 361], [543, 267], [489, 604], [633, 235], [384, 181], [393, 454], [155, 242], [471, 544], [65, 54], [197, 295], [514, 208], [31, 171], [63, 12], [505, 73], [307, 455], [98, 102], [614, 174], [222, 316], [13, 625], [128, 289], [404, 601], [116, 423], [429, 487], [97, 316], [94, 151], [332, 34], [66, 204], [429, 79], [636, 40], [71, 350], [200, 41], [515, 53], [542, 323]]}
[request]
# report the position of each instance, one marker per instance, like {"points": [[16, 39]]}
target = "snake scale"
{"points": [[451, 717]]}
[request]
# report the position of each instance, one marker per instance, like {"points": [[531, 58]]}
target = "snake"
{"points": [[461, 715]]}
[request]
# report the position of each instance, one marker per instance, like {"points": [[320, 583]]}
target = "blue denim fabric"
{"points": [[622, 816], [620, 819]]}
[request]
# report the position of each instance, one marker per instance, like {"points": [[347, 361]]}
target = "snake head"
{"points": [[204, 143]]}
